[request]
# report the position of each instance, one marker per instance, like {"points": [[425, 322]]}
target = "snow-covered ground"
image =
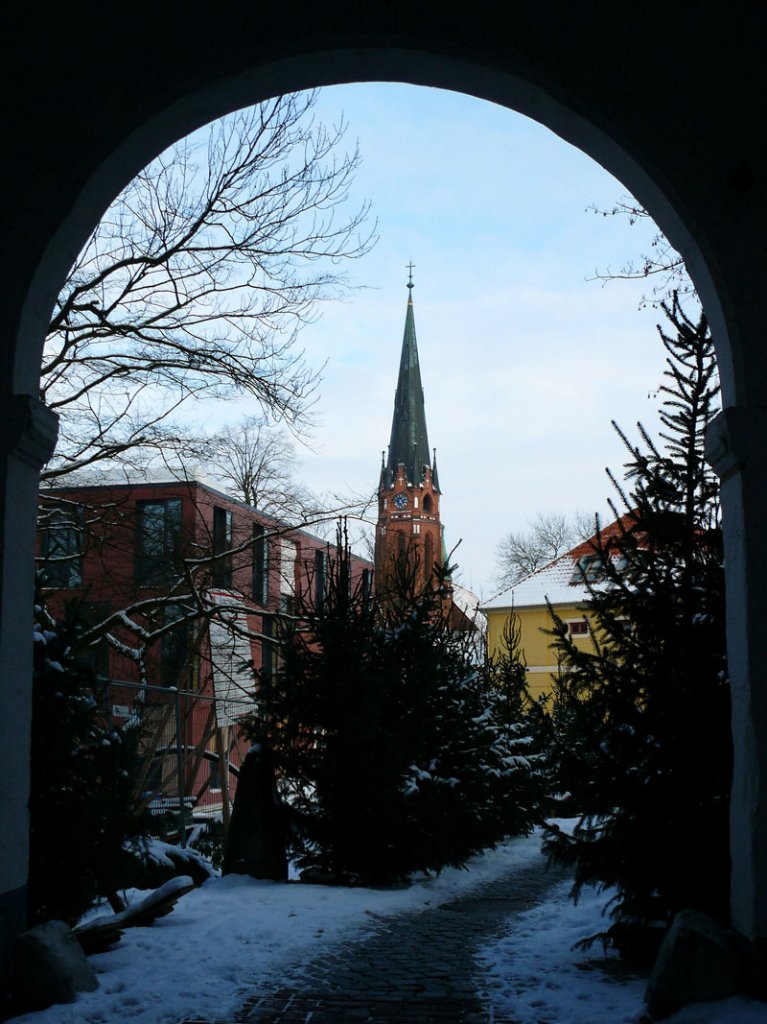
{"points": [[228, 939], [537, 977]]}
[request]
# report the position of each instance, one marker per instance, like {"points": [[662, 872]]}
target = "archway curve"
{"points": [[610, 145], [667, 105]]}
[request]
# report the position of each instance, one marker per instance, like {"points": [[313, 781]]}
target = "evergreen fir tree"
{"points": [[642, 736], [83, 805], [391, 750], [523, 717]]}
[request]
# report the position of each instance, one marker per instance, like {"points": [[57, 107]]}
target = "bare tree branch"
{"points": [[197, 281], [663, 267], [549, 535], [257, 460]]}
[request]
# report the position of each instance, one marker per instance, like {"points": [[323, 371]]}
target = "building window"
{"points": [[288, 555], [214, 774], [578, 627], [416, 528], [174, 646], [260, 564], [158, 541], [348, 575], [427, 503], [415, 501], [153, 777], [61, 546], [267, 649], [320, 577], [367, 586], [222, 546], [588, 569], [96, 655]]}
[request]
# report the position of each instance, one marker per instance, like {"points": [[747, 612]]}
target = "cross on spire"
{"points": [[410, 267]]}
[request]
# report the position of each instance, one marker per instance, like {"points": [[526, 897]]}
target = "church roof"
{"points": [[409, 442]]}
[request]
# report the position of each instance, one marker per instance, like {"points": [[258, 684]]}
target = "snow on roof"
{"points": [[559, 582], [119, 476], [468, 602]]}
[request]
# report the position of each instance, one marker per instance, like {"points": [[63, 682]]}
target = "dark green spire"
{"points": [[409, 440]]}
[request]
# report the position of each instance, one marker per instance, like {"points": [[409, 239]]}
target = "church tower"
{"points": [[409, 524]]}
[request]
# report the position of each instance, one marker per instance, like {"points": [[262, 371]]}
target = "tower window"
{"points": [[416, 528], [428, 557], [415, 501], [427, 503]]}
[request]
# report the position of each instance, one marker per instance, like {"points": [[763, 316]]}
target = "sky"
{"points": [[524, 359]]}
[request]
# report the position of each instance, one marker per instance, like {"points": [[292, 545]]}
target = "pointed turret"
{"points": [[434, 473], [409, 444]]}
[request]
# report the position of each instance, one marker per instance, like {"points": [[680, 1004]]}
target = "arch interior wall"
{"points": [[673, 110]]}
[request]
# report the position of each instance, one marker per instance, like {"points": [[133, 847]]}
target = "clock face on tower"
{"points": [[400, 501]]}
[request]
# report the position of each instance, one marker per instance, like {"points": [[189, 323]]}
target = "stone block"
{"points": [[50, 967], [697, 962]]}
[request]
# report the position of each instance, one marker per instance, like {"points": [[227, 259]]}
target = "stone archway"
{"points": [[96, 96]]}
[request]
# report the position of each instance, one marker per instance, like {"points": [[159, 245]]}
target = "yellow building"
{"points": [[563, 584]]}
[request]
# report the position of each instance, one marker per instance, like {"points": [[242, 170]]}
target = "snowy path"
{"points": [[501, 931], [417, 967]]}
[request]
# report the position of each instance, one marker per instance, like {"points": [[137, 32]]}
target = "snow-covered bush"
{"points": [[83, 804], [642, 723]]}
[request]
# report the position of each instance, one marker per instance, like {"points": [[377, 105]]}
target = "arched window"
{"points": [[427, 503]]}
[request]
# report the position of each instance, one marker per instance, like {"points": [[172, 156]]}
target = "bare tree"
{"points": [[662, 266], [549, 535], [257, 458], [196, 282]]}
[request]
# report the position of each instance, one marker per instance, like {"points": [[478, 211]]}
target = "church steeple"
{"points": [[408, 492], [409, 444]]}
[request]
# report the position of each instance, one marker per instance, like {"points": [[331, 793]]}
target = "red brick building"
{"points": [[197, 582]]}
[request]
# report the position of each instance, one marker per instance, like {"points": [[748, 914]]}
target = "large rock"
{"points": [[697, 961], [50, 967], [256, 842]]}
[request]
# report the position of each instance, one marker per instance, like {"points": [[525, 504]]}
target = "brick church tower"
{"points": [[409, 524]]}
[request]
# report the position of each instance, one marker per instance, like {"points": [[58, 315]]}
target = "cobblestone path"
{"points": [[416, 968]]}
